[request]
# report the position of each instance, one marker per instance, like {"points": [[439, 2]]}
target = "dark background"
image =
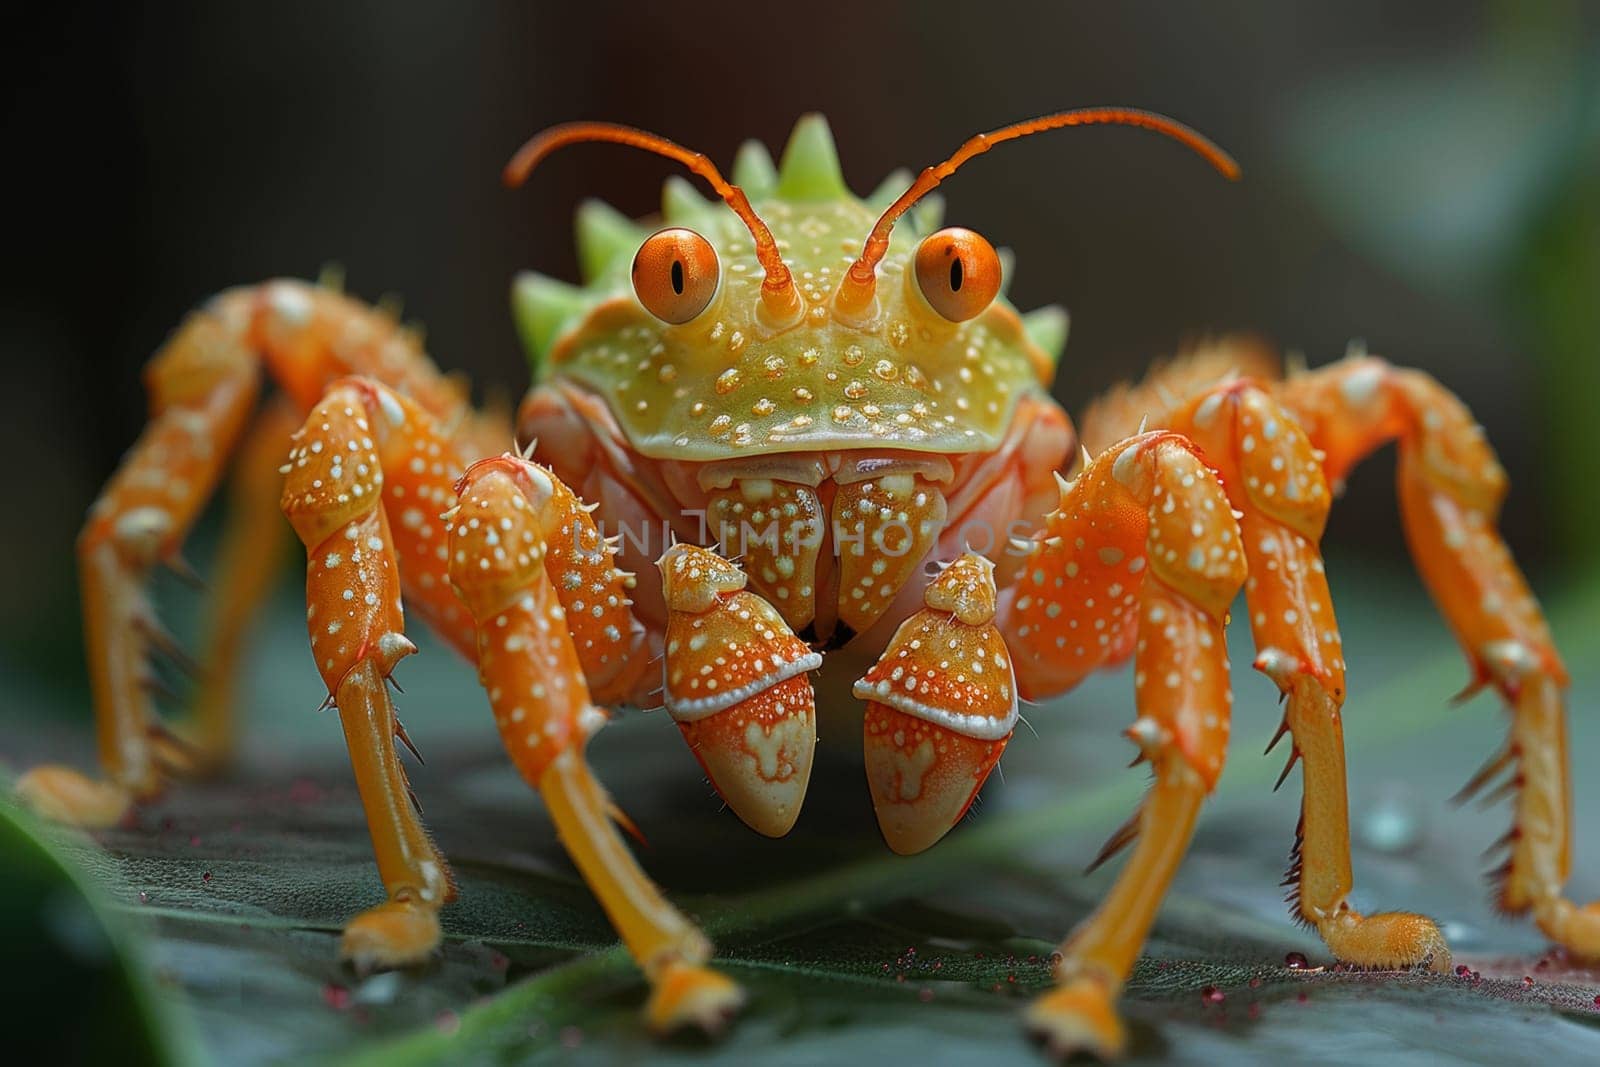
{"points": [[1422, 176]]}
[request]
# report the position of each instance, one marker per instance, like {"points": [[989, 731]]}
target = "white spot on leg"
{"points": [[290, 303]]}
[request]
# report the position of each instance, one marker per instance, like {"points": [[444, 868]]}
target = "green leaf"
{"points": [[849, 952], [78, 989]]}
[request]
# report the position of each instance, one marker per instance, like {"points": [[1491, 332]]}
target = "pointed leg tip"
{"points": [[64, 795], [1077, 1017], [689, 996], [396, 933]]}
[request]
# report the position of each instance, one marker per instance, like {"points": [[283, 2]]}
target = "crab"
{"points": [[853, 412]]}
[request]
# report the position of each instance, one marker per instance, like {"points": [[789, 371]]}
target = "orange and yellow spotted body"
{"points": [[736, 685], [941, 706]]}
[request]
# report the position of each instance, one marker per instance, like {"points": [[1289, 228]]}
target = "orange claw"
{"points": [[941, 706], [736, 685]]}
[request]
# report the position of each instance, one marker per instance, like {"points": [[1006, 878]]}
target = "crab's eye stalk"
{"points": [[958, 272], [675, 274]]}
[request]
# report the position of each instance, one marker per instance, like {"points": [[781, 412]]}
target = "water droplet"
{"points": [[1392, 822], [1296, 961], [144, 898]]}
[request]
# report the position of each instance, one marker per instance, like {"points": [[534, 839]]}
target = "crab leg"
{"points": [[514, 525], [1274, 479], [202, 385], [333, 497], [1142, 555], [253, 549], [359, 443], [1451, 487]]}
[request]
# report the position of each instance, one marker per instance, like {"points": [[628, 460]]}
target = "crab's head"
{"points": [[790, 314]]}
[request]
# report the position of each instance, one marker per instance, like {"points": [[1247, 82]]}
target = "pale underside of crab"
{"points": [[777, 428]]}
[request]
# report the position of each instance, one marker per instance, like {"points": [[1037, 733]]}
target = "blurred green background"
{"points": [[1423, 177]]}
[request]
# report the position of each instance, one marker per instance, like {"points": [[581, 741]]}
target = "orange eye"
{"points": [[958, 272], [675, 274]]}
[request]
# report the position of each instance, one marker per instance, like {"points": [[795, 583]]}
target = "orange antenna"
{"points": [[856, 289], [780, 298]]}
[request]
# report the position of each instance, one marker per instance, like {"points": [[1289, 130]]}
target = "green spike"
{"points": [[928, 213], [604, 235], [331, 277], [1008, 266], [810, 167], [753, 170], [1047, 328], [889, 190], [681, 201], [541, 306]]}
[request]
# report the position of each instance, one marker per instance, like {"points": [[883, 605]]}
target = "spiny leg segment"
{"points": [[333, 496], [1274, 479], [513, 520], [203, 386], [1451, 487]]}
